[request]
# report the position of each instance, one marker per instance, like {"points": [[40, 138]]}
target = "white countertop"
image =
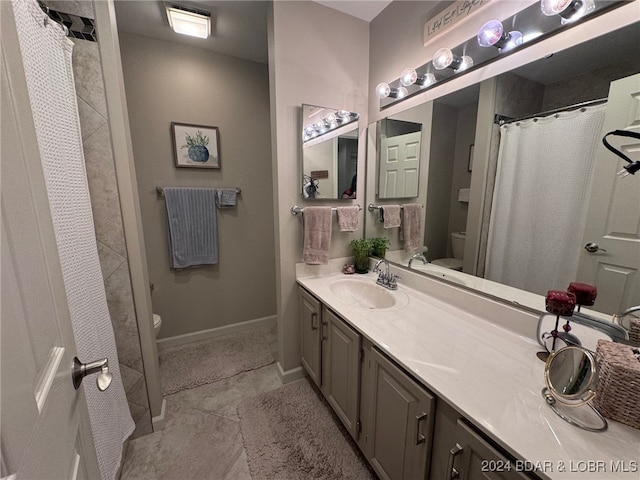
{"points": [[491, 375]]}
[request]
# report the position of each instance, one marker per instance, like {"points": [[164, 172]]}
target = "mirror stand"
{"points": [[571, 376], [551, 401]]}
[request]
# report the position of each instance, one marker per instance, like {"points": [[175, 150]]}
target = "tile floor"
{"points": [[202, 438]]}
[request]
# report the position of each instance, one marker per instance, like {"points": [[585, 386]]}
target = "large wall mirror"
{"points": [[329, 140], [509, 208]]}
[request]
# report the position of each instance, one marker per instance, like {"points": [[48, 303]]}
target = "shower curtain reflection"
{"points": [[543, 183]]}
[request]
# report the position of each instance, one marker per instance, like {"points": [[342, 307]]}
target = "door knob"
{"points": [[593, 248], [81, 370]]}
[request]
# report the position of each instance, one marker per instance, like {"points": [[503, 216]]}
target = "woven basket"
{"points": [[634, 331], [618, 391]]}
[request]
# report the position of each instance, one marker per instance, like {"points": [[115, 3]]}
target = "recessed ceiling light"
{"points": [[188, 21]]}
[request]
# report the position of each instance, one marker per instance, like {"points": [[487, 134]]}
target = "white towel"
{"points": [[317, 235], [348, 218], [391, 216]]}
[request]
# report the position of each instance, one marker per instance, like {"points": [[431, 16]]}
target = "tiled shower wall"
{"points": [[107, 216]]}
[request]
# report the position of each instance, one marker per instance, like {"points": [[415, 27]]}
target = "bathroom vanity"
{"points": [[434, 388]]}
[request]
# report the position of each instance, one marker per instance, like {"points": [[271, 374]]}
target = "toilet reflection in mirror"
{"points": [[329, 140]]}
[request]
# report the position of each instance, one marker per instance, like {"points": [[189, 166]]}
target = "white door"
{"points": [[44, 421], [614, 210], [399, 161]]}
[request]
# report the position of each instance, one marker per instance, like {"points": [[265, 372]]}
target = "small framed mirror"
{"points": [[571, 376], [329, 140]]}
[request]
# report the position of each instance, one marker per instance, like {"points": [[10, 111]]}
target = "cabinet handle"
{"points": [[420, 438], [322, 332], [314, 316], [452, 473]]}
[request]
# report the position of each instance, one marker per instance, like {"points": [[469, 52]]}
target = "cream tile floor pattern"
{"points": [[202, 438]]}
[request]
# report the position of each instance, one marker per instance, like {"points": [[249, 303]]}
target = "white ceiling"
{"points": [[239, 28], [365, 10]]}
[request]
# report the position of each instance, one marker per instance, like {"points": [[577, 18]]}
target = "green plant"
{"points": [[199, 140], [361, 246], [361, 249], [379, 246]]}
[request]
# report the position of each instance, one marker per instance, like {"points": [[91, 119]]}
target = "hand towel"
{"points": [[317, 235], [411, 225], [391, 216], [348, 218], [193, 232], [226, 197]]}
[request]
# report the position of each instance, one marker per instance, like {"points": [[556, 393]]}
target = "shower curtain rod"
{"points": [[503, 120]]}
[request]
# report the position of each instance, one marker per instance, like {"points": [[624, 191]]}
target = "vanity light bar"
{"points": [[332, 121], [534, 24]]}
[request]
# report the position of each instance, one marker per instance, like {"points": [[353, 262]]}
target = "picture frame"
{"points": [[470, 160], [195, 146]]}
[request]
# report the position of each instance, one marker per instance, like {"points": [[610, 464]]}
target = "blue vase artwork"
{"points": [[197, 147]]}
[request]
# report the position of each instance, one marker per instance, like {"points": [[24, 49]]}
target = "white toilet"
{"points": [[457, 245], [157, 323]]}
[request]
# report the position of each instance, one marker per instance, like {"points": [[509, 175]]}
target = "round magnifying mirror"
{"points": [[571, 376], [570, 373]]}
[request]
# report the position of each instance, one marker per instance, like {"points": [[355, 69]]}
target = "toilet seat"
{"points": [[452, 263], [157, 321]]}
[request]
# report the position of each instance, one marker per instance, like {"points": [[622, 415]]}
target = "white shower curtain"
{"points": [[46, 54], [539, 209]]}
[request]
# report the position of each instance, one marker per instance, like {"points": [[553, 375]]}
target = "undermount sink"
{"points": [[367, 294]]}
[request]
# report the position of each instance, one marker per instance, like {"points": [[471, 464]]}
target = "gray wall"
{"points": [[308, 65], [107, 216], [441, 156], [168, 82]]}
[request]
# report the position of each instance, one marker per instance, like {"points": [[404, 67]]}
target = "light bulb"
{"points": [[492, 34], [569, 10], [330, 119], [408, 77], [465, 62], [383, 90], [442, 59], [445, 58]]}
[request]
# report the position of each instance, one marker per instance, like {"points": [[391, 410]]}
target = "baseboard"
{"points": [[291, 375], [158, 422], [216, 332]]}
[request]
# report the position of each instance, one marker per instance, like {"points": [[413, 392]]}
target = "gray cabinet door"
{"points": [[401, 418], [473, 458], [310, 327], [341, 369]]}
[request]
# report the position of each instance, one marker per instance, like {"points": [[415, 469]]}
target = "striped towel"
{"points": [[193, 233]]}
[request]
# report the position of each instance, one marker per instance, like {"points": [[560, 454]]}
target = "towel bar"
{"points": [[160, 191], [295, 210], [371, 207]]}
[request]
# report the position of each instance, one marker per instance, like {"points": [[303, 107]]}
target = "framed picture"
{"points": [[195, 146], [470, 164]]}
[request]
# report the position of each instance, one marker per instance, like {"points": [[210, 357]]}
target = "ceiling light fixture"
{"points": [[569, 10], [410, 77], [188, 21], [492, 34], [445, 58]]}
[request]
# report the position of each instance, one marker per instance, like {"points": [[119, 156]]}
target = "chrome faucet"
{"points": [[619, 317], [418, 256], [386, 279]]}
